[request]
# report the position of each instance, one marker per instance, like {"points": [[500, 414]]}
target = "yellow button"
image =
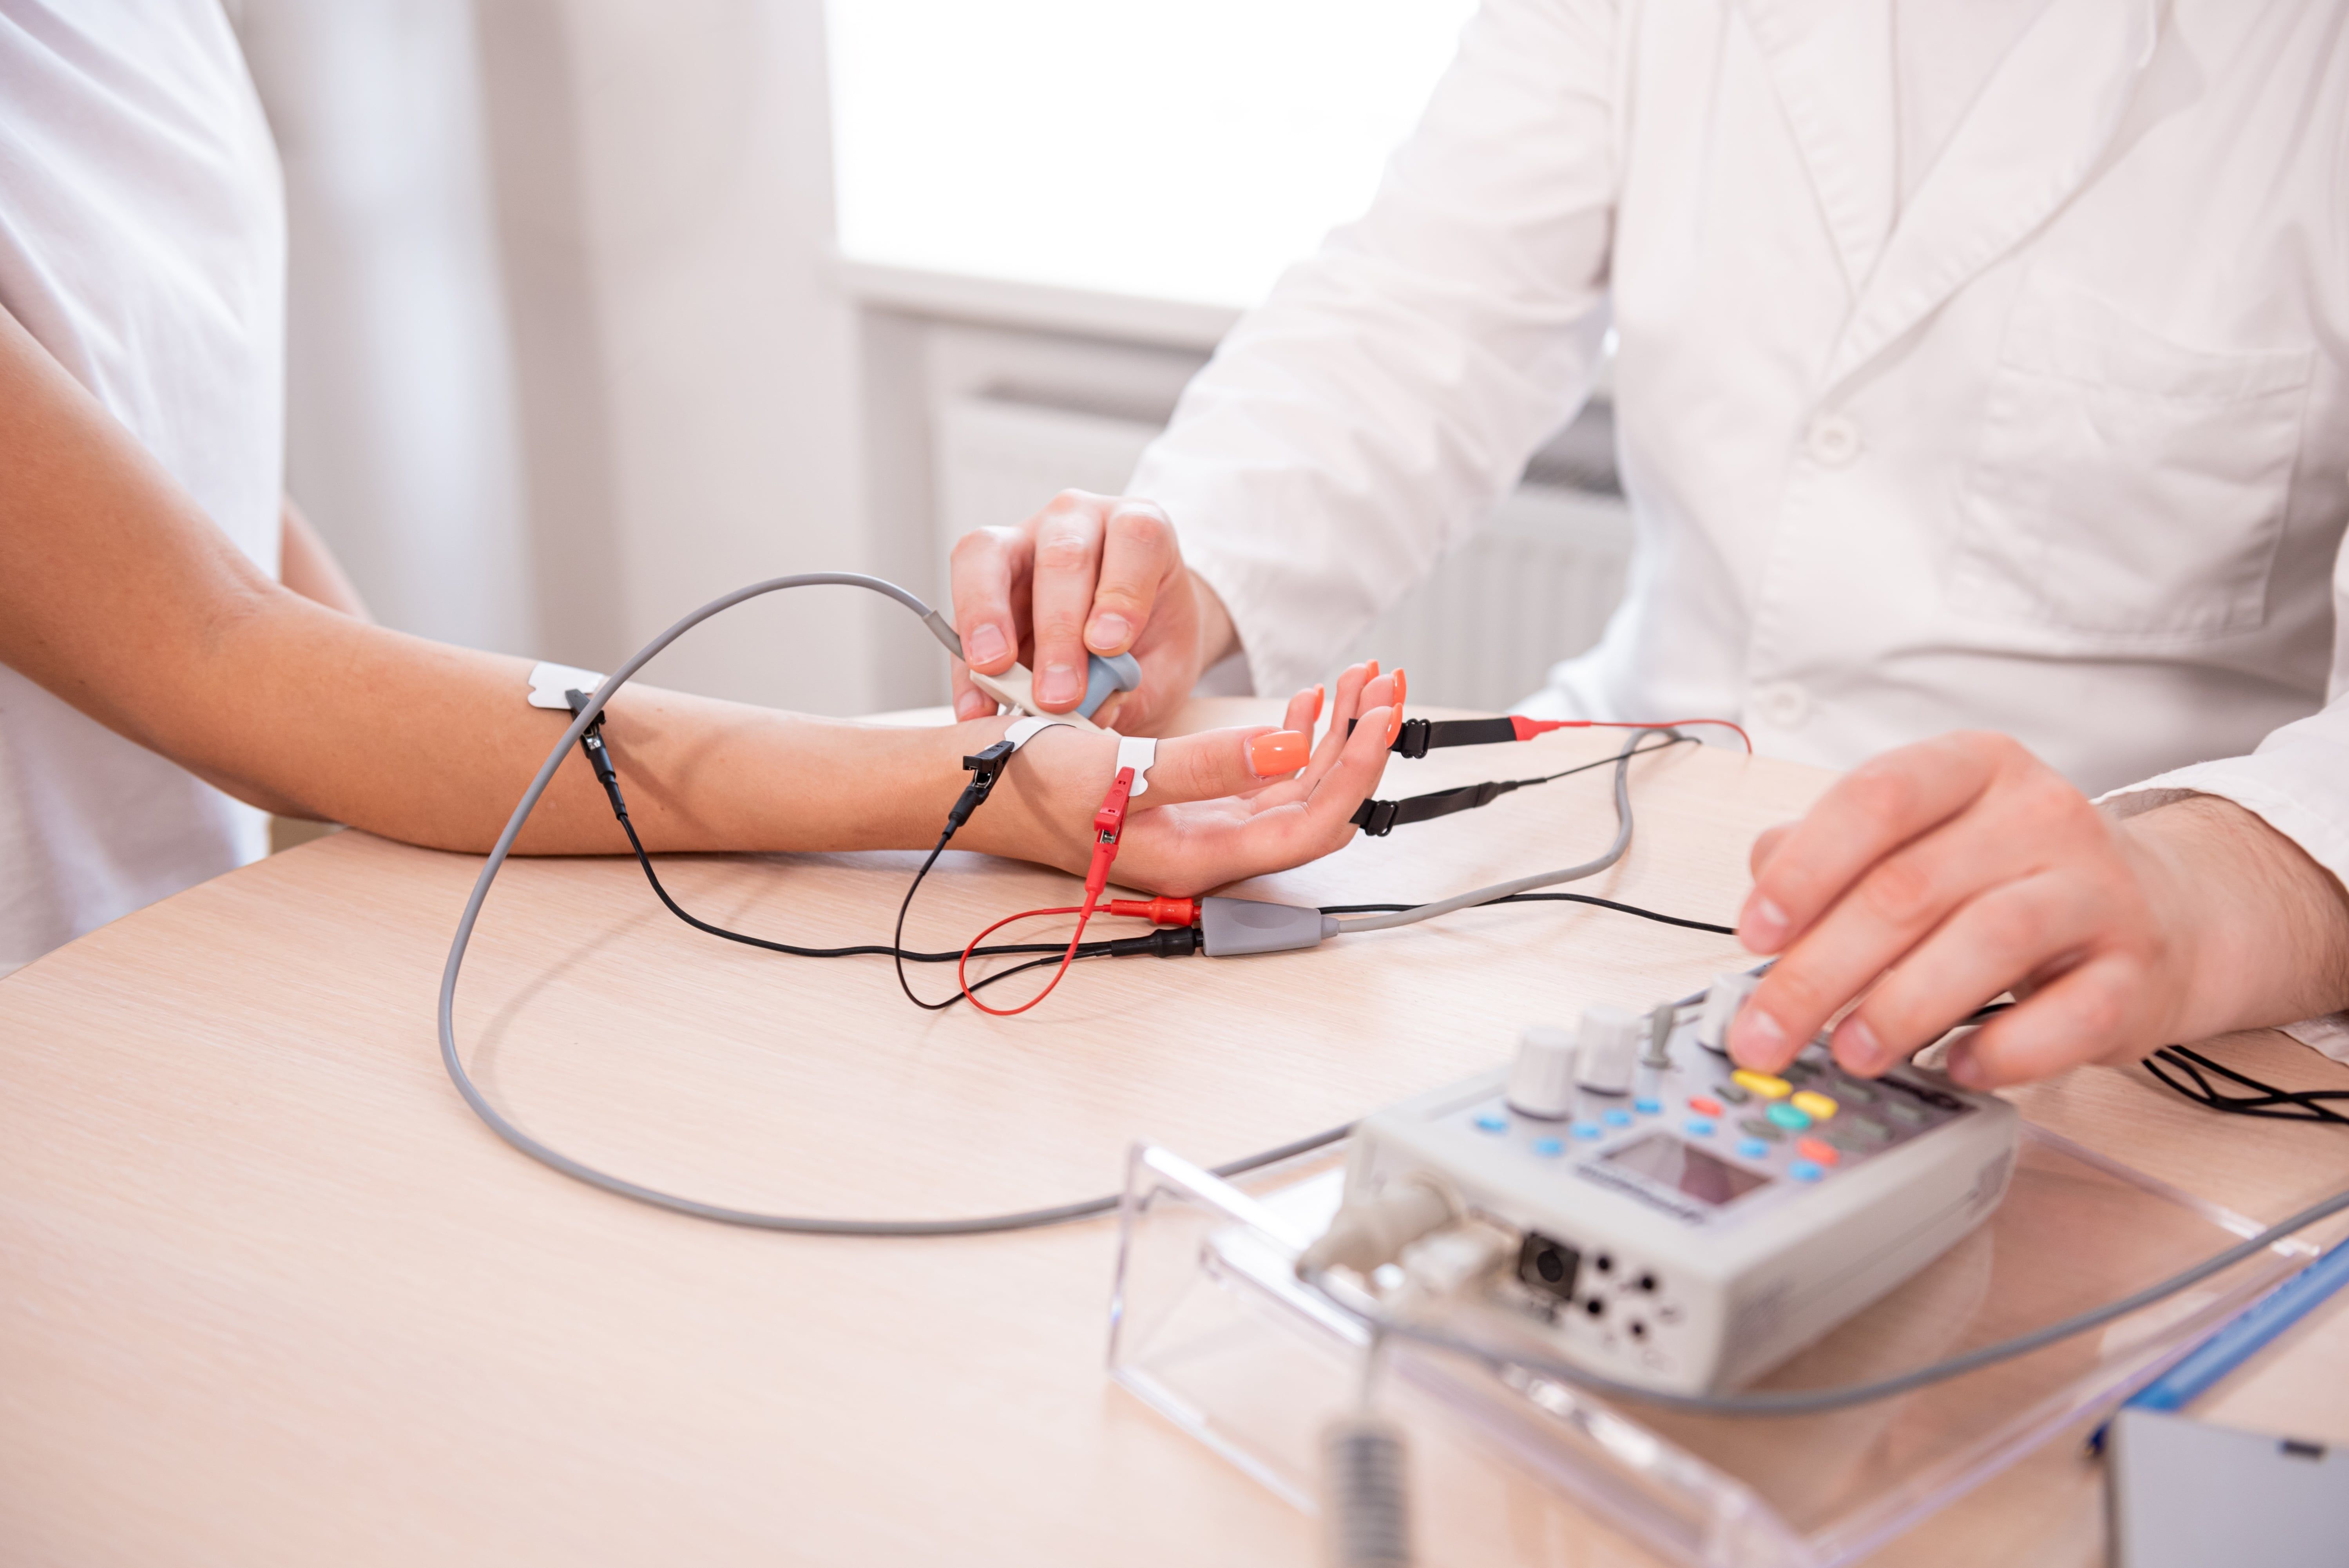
{"points": [[1818, 1105], [1762, 1084]]}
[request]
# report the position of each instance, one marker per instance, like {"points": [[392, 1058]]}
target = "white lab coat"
{"points": [[2059, 445]]}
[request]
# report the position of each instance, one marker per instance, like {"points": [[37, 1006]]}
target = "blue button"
{"points": [[1616, 1117], [1585, 1130], [1697, 1127], [1488, 1122], [1753, 1148], [1804, 1170], [1788, 1117], [1548, 1148], [1648, 1105]]}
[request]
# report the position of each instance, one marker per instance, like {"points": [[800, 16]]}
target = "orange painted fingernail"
{"points": [[1320, 695], [1403, 686], [1279, 752], [1374, 667]]}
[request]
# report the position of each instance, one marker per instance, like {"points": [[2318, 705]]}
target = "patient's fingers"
{"points": [[1346, 702], [1287, 835], [1219, 762], [1304, 710]]}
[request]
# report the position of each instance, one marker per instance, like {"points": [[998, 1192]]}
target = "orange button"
{"points": [[1811, 1148], [1704, 1106]]}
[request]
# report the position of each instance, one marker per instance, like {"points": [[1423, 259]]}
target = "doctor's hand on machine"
{"points": [[1924, 883]]}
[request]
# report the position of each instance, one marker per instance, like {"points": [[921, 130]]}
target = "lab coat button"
{"points": [[1781, 705], [1832, 440]]}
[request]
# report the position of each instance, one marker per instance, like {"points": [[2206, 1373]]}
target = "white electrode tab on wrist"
{"points": [[549, 682], [1139, 752], [1023, 730]]}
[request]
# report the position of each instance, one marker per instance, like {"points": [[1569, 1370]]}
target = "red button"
{"points": [[1811, 1148], [1704, 1106]]}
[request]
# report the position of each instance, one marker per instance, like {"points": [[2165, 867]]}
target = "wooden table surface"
{"points": [[272, 1294]]}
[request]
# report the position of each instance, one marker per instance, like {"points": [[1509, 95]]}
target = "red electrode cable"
{"points": [[1527, 728], [1109, 822]]}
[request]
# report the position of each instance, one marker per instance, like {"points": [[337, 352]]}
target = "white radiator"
{"points": [[1534, 586]]}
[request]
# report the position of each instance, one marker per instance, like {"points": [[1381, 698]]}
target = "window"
{"points": [[1181, 151]]}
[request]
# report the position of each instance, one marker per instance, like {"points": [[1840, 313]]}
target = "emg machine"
{"points": [[1656, 1214]]}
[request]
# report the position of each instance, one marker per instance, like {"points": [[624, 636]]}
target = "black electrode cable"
{"points": [[2266, 1100], [1596, 902], [1380, 818]]}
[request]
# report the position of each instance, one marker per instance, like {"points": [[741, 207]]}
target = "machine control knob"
{"points": [[1726, 994], [1659, 1053], [1541, 1083], [1612, 1038]]}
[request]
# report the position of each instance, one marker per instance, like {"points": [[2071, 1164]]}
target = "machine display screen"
{"points": [[1663, 1157]]}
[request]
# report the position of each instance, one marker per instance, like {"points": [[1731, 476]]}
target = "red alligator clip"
{"points": [[1108, 823]]}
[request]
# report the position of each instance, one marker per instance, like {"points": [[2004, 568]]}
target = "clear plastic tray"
{"points": [[1210, 1327]]}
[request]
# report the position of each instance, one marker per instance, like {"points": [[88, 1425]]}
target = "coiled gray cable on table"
{"points": [[554, 1158]]}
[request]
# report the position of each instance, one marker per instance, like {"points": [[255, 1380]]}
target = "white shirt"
{"points": [[142, 241], [2058, 445]]}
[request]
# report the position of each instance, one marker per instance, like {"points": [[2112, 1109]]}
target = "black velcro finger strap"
{"points": [[1380, 818], [1421, 735], [1443, 732]]}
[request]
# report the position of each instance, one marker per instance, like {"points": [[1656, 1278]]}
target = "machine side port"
{"points": [[1549, 1266]]}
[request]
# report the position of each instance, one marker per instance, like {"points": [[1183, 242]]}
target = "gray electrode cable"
{"points": [[554, 1158], [1818, 1401], [1591, 868]]}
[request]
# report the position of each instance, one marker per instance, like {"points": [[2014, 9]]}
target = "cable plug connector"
{"points": [[591, 742], [1158, 911], [1174, 942], [1369, 1233]]}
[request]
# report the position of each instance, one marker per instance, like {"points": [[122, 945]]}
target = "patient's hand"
{"points": [[1223, 804]]}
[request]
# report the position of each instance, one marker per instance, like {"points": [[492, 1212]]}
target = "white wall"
{"points": [[401, 438], [567, 357], [727, 365]]}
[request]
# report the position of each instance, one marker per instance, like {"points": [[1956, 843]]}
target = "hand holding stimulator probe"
{"points": [[1014, 688]]}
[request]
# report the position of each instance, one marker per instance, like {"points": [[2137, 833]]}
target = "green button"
{"points": [[1788, 1117]]}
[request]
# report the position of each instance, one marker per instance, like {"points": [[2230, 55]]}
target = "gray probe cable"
{"points": [[554, 1158], [1817, 1401], [1613, 852]]}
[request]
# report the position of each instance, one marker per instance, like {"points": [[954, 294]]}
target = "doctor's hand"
{"points": [[1093, 572], [1933, 878], [1222, 804]]}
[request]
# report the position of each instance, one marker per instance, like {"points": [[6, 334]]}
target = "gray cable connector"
{"points": [[1229, 927]]}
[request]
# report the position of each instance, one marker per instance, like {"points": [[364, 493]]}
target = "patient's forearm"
{"points": [[119, 594], [434, 744]]}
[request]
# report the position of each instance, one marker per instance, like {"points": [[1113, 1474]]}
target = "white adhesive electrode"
{"points": [[1721, 1000], [1610, 1038], [1024, 730], [550, 682], [1542, 1082], [1139, 752]]}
